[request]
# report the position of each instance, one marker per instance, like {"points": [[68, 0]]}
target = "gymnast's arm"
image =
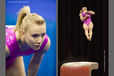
{"points": [[91, 12], [36, 60], [83, 18]]}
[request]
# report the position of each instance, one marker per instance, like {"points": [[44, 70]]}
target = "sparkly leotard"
{"points": [[87, 20], [14, 48]]}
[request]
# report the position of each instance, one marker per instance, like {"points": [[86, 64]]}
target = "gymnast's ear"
{"points": [[22, 32]]}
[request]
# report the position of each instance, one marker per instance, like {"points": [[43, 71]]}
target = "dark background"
{"points": [[72, 43]]}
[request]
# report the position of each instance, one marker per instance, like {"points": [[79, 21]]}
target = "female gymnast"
{"points": [[29, 36], [85, 16]]}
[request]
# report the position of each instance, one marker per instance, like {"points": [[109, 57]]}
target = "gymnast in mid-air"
{"points": [[27, 37], [85, 16]]}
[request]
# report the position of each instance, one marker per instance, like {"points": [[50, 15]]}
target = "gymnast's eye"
{"points": [[35, 35], [43, 34]]}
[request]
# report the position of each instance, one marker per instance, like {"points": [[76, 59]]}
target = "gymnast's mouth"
{"points": [[37, 45]]}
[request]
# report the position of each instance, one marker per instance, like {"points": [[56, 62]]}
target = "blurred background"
{"points": [[47, 9]]}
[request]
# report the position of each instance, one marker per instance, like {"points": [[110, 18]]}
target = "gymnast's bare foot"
{"points": [[89, 38]]}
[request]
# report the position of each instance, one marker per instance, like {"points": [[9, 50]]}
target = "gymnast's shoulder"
{"points": [[47, 45]]}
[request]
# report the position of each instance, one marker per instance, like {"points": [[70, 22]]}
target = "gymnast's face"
{"points": [[84, 9], [34, 35]]}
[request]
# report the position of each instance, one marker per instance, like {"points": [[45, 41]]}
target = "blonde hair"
{"points": [[82, 9], [25, 18]]}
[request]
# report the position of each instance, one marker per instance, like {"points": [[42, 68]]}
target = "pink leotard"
{"points": [[87, 20], [14, 48]]}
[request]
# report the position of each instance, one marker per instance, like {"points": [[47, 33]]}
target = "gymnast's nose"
{"points": [[39, 41]]}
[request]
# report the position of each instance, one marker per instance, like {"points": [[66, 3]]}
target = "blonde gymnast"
{"points": [[29, 36], [85, 16]]}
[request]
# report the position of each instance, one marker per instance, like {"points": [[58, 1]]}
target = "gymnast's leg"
{"points": [[91, 30], [85, 27], [17, 68]]}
